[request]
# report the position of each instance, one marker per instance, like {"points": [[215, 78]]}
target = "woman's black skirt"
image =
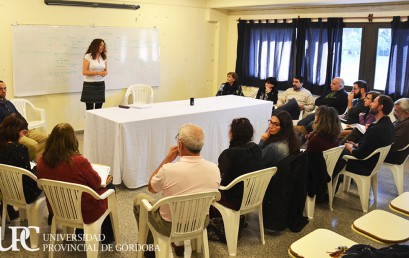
{"points": [[93, 92]]}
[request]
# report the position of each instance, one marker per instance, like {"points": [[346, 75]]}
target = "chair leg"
{"points": [[205, 245], [231, 229], [142, 229], [164, 245], [3, 221], [398, 174], [52, 239], [91, 231], [374, 184], [363, 185], [310, 207], [261, 224], [114, 218], [34, 212], [346, 184]]}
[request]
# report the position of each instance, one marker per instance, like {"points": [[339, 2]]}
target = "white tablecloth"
{"points": [[135, 141]]}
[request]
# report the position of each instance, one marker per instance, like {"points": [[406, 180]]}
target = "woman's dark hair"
{"points": [[327, 123], [241, 131], [60, 146], [10, 128], [286, 132], [94, 48], [272, 80], [234, 76]]}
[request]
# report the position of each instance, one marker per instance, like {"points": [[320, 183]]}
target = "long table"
{"points": [[133, 142]]}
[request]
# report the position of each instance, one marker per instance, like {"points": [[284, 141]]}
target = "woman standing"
{"points": [[231, 86], [280, 140], [62, 161], [94, 69]]}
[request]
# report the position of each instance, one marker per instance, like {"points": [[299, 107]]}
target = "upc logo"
{"points": [[15, 238]]}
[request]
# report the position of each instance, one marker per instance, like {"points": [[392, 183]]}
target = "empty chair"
{"points": [[255, 185], [331, 157], [364, 183], [401, 204], [397, 170], [189, 218], [11, 187], [65, 201], [140, 94], [35, 116]]}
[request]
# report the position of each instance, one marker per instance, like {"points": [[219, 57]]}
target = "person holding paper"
{"points": [[365, 119], [62, 161], [94, 69], [13, 153]]}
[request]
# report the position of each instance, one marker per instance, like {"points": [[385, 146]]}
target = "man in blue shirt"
{"points": [[34, 140]]}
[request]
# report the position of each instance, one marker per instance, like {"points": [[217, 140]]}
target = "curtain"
{"points": [[319, 46], [264, 50], [397, 85]]}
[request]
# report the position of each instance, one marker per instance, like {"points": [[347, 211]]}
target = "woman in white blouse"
{"points": [[94, 69]]}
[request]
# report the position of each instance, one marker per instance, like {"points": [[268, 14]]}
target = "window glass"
{"points": [[382, 58], [351, 54]]}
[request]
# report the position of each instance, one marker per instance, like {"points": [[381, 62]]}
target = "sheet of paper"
{"points": [[140, 106], [361, 128], [103, 172]]}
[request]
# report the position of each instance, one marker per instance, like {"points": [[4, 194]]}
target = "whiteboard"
{"points": [[48, 59]]}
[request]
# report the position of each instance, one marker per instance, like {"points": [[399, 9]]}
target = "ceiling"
{"points": [[236, 5]]}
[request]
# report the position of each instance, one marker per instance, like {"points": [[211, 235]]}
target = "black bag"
{"points": [[367, 251]]}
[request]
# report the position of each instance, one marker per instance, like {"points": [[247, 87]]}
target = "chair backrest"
{"points": [[331, 157], [188, 212], [11, 184], [383, 152], [255, 186], [65, 200], [21, 106], [141, 94]]}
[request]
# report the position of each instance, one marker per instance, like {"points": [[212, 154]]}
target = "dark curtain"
{"points": [[264, 50], [397, 85], [318, 54]]}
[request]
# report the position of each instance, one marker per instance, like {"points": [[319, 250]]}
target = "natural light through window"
{"points": [[351, 54]]}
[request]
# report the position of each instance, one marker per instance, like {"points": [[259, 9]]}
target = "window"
{"points": [[365, 53]]}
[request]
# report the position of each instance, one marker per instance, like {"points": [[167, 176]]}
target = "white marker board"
{"points": [[48, 59]]}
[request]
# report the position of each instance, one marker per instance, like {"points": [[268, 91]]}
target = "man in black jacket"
{"points": [[379, 134], [337, 98]]}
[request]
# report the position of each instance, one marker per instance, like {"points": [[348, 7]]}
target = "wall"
{"points": [[189, 45]]}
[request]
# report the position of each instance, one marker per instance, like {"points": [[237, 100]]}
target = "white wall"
{"points": [[189, 35]]}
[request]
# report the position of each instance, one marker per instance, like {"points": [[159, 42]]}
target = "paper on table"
{"points": [[361, 128], [140, 106], [103, 172]]}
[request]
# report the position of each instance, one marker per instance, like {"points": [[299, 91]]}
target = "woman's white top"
{"points": [[95, 65]]}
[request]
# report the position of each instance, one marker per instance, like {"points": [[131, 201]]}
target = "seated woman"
{"points": [[231, 86], [280, 140], [269, 91], [327, 128], [365, 119], [62, 161], [13, 153], [242, 156]]}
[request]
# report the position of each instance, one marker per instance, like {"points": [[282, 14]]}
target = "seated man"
{"points": [[356, 103], [295, 99], [401, 113], [33, 140], [191, 174], [337, 98], [379, 134]]}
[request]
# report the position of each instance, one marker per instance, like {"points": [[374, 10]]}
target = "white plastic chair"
{"points": [[255, 186], [11, 187], [364, 183], [398, 171], [299, 118], [35, 116], [65, 201], [141, 94], [189, 213], [331, 157]]}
